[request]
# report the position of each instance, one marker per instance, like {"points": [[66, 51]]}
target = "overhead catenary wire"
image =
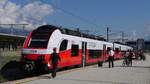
{"points": [[73, 15], [69, 13]]}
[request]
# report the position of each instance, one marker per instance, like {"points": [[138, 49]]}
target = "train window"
{"points": [[63, 45], [39, 39], [108, 48], [95, 54], [74, 50], [123, 53], [117, 50], [38, 43]]}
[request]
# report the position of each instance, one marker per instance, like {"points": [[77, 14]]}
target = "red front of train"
{"points": [[38, 47]]}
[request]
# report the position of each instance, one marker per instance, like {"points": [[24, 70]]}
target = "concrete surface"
{"points": [[139, 73]]}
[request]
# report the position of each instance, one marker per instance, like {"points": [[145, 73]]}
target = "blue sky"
{"points": [[94, 15]]}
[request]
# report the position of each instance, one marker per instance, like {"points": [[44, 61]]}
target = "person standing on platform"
{"points": [[54, 58], [111, 58], [127, 55], [130, 57]]}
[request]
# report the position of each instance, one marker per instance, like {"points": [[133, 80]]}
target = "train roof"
{"points": [[51, 28], [69, 32]]}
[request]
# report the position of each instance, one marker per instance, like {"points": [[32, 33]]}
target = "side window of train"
{"points": [[74, 50], [123, 53], [108, 48], [95, 54], [117, 50], [63, 45]]}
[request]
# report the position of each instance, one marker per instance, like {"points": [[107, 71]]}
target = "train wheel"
{"points": [[29, 67]]}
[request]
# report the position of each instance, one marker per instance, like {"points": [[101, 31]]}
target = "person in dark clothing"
{"points": [[54, 58], [130, 57], [141, 54]]}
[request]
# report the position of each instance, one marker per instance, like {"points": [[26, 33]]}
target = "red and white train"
{"points": [[73, 47]]}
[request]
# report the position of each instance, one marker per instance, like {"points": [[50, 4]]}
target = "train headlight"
{"points": [[48, 64], [41, 58]]}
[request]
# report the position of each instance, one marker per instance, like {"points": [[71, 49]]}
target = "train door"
{"points": [[84, 47], [104, 53], [113, 47], [120, 50]]}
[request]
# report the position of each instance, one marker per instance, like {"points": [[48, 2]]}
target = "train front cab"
{"points": [[38, 47]]}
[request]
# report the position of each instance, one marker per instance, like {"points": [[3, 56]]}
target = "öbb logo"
{"points": [[33, 51]]}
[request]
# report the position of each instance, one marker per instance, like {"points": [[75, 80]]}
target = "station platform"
{"points": [[139, 73]]}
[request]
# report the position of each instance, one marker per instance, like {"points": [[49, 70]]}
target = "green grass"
{"points": [[6, 59], [3, 61], [9, 58], [2, 79], [6, 56]]}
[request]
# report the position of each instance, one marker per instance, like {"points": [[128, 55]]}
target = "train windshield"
{"points": [[40, 36], [39, 39]]}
